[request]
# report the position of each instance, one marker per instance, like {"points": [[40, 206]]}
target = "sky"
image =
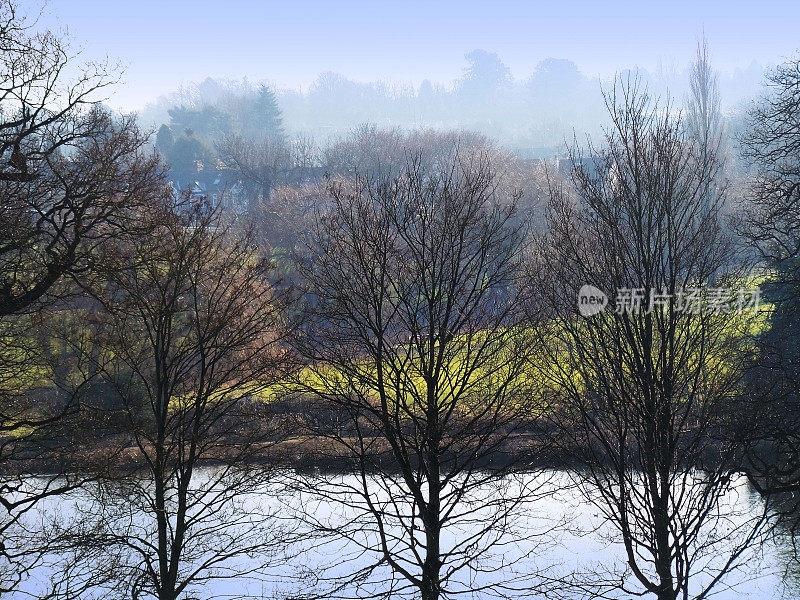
{"points": [[163, 44]]}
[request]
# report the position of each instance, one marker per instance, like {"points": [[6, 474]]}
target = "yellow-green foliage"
{"points": [[547, 364], [465, 378]]}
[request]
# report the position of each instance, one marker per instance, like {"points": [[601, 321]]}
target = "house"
{"points": [[210, 188]]}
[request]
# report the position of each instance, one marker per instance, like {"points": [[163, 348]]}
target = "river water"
{"points": [[556, 539]]}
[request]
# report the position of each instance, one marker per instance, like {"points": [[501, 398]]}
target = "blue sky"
{"points": [[164, 43]]}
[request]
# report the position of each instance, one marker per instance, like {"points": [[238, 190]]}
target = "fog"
{"points": [[399, 300], [533, 115], [528, 75]]}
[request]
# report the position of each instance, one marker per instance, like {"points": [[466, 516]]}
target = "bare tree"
{"points": [[772, 144], [372, 149], [703, 114], [640, 390], [68, 172], [264, 165], [66, 167], [268, 161], [770, 411], [191, 335], [416, 357]]}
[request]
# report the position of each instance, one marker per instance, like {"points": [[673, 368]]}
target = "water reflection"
{"points": [[578, 544]]}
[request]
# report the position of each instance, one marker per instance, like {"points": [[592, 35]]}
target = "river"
{"points": [[556, 536]]}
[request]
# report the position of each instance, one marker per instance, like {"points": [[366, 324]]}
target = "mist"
{"points": [[399, 301], [534, 115]]}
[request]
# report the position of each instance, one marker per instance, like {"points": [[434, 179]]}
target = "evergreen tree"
{"points": [[266, 118], [164, 139], [184, 154], [207, 122]]}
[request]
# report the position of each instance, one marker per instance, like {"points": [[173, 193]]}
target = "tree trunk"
{"points": [[431, 567]]}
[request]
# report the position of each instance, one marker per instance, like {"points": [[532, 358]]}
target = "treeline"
{"points": [[414, 320], [532, 114]]}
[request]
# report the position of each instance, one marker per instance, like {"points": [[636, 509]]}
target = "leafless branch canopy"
{"points": [[641, 390], [414, 339]]}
